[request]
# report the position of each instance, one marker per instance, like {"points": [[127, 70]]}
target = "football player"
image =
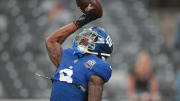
{"points": [[82, 70]]}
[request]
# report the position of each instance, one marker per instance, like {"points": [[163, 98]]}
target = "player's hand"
{"points": [[91, 10], [85, 18]]}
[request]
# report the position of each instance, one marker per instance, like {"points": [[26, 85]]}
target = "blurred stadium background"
{"points": [[134, 25]]}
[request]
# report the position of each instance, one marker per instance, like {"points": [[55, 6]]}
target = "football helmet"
{"points": [[99, 42]]}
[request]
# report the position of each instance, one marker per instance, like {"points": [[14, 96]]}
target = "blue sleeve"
{"points": [[68, 50], [102, 70]]}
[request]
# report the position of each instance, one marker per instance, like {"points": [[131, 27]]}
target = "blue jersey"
{"points": [[76, 71]]}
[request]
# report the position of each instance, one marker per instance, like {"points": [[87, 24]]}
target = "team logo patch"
{"points": [[89, 64]]}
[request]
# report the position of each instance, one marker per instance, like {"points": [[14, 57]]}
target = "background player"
{"points": [[143, 83], [81, 71]]}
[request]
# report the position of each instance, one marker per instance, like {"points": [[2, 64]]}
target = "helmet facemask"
{"points": [[85, 41]]}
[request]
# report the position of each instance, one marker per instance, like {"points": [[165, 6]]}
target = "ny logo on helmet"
{"points": [[109, 41]]}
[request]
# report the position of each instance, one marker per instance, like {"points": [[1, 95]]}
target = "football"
{"points": [[95, 5]]}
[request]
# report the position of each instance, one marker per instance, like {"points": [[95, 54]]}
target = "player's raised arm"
{"points": [[53, 42]]}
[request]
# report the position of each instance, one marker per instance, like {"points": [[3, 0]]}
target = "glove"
{"points": [[84, 19]]}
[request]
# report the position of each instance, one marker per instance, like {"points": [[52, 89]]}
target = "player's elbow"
{"points": [[48, 41], [52, 39]]}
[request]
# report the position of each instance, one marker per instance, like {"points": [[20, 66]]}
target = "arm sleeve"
{"points": [[102, 70]]}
